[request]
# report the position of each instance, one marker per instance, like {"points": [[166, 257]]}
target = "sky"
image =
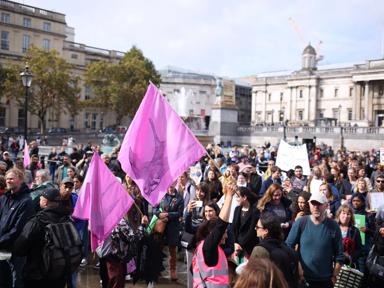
{"points": [[229, 38]]}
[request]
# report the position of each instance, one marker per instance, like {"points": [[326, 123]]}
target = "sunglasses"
{"points": [[379, 181]]}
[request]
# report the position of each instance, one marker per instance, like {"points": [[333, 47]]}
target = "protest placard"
{"points": [[376, 200], [360, 222], [288, 156]]}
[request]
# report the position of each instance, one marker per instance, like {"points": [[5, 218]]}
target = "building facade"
{"points": [[346, 95], [22, 26]]}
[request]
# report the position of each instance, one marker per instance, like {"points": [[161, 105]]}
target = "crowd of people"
{"points": [[243, 223]]}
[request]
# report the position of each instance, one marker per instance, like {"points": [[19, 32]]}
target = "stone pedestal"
{"points": [[223, 122]]}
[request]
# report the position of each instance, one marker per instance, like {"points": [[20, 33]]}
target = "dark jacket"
{"points": [[285, 259], [268, 182], [31, 240], [174, 205], [15, 210], [244, 231]]}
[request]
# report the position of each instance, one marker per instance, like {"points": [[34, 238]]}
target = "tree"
{"points": [[121, 86], [53, 86]]}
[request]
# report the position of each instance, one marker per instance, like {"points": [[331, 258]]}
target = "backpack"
{"points": [[62, 250]]}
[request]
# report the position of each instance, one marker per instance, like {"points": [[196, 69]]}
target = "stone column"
{"points": [[308, 108], [366, 101], [254, 105], [354, 102]]}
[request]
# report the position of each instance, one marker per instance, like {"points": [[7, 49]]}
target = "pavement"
{"points": [[88, 277]]}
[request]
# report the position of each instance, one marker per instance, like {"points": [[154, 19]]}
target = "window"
{"points": [[335, 113], [87, 93], [269, 96], [300, 114], [320, 112], [74, 56], [176, 91], [349, 114], [47, 26], [86, 120], [5, 40], [336, 92], [281, 96], [5, 18], [202, 92], [381, 90], [190, 112], [101, 120], [20, 117], [350, 91], [300, 93], [2, 116], [27, 22], [94, 118], [321, 93], [26, 43], [46, 44]]}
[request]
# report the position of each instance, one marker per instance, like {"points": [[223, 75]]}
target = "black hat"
{"points": [[52, 194]]}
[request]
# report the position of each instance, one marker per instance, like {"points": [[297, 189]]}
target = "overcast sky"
{"points": [[228, 38]]}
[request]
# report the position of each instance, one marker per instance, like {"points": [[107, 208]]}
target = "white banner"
{"points": [[289, 156]]}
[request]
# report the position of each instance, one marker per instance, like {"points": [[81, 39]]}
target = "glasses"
{"points": [[379, 181]]}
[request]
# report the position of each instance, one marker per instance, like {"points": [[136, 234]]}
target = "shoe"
{"points": [[84, 262], [128, 277], [173, 276], [151, 285], [97, 265]]}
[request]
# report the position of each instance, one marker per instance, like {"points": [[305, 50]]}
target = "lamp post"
{"points": [[26, 78]]}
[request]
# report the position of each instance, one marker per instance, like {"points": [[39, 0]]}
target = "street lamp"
{"points": [[26, 78]]}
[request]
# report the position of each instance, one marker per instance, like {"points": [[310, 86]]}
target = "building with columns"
{"points": [[347, 95], [22, 26]]}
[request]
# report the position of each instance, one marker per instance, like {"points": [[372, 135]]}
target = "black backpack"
{"points": [[62, 250]]}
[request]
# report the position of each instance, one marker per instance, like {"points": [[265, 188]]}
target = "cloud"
{"points": [[235, 38]]}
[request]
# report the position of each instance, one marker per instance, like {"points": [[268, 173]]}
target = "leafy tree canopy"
{"points": [[121, 86]]}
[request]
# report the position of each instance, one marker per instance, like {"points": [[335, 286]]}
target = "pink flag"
{"points": [[27, 159], [158, 147], [102, 200]]}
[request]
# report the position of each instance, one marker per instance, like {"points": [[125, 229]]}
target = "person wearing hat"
{"points": [[7, 159], [320, 241], [30, 243]]}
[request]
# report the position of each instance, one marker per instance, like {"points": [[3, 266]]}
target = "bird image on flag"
{"points": [[102, 200], [158, 147]]}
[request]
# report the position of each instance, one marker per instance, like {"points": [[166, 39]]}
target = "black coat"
{"points": [[245, 234], [285, 259], [15, 210], [30, 243]]}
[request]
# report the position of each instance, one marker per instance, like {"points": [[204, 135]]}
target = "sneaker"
{"points": [[84, 262], [97, 265], [128, 277], [151, 285]]}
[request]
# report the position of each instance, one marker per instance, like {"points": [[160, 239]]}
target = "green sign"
{"points": [[360, 222]]}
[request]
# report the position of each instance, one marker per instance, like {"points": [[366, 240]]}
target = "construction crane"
{"points": [[303, 41]]}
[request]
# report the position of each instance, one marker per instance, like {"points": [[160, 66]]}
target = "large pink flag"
{"points": [[158, 147], [102, 200], [26, 158]]}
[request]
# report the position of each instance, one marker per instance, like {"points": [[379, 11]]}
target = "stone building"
{"points": [[347, 95], [22, 26]]}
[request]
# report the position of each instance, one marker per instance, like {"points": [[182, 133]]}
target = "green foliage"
{"points": [[53, 85], [121, 86]]}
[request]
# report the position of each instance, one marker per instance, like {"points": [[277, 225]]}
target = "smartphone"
{"points": [[199, 203]]}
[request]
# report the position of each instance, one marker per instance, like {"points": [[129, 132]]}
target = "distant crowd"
{"points": [[239, 222]]}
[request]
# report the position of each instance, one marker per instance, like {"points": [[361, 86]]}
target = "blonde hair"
{"points": [[261, 273], [18, 173]]}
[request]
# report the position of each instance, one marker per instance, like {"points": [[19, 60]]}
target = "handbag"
{"points": [[349, 277], [160, 226], [375, 264], [187, 240]]}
